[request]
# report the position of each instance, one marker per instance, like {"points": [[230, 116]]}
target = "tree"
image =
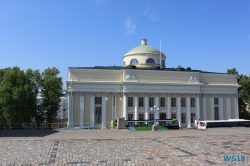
{"points": [[243, 93], [17, 95], [232, 71], [51, 89]]}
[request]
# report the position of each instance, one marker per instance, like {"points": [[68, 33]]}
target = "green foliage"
{"points": [[17, 96], [243, 93], [51, 89]]}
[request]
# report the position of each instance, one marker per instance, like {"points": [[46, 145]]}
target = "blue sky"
{"points": [[204, 35]]}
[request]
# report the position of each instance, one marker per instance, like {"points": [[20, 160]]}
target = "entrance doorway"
{"points": [[162, 116]]}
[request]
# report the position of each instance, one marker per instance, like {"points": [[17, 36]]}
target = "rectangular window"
{"points": [[162, 101], [183, 118], [173, 102], [151, 116], [216, 101], [141, 102], [130, 101], [98, 100], [192, 117], [216, 113], [173, 116], [151, 102], [141, 116], [130, 116], [98, 110], [183, 102], [192, 102], [98, 115]]}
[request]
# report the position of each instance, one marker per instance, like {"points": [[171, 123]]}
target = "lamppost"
{"points": [[155, 110]]}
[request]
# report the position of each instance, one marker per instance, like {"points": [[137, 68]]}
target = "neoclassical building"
{"points": [[144, 88]]}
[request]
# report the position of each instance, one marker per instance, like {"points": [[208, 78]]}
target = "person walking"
{"points": [[195, 123], [199, 124]]}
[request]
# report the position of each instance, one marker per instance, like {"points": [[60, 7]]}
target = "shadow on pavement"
{"points": [[26, 133]]}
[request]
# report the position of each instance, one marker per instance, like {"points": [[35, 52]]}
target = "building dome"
{"points": [[144, 56]]}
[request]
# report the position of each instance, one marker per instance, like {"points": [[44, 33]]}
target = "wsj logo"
{"points": [[234, 158]]}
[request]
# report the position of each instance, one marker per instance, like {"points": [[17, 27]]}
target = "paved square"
{"points": [[181, 150]]}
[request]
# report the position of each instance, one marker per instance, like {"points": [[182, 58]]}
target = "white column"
{"points": [[229, 111], [188, 112], [221, 107], [179, 109], [204, 96], [113, 106], [169, 105], [125, 114], [236, 106], [198, 106], [92, 109], [81, 109], [70, 110], [212, 106], [136, 106], [62, 108], [146, 107], [157, 106], [104, 96]]}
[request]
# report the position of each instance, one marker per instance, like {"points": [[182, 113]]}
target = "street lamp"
{"points": [[154, 109]]}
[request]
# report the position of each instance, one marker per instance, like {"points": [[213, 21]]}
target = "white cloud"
{"points": [[154, 17], [150, 14], [146, 10], [130, 26]]}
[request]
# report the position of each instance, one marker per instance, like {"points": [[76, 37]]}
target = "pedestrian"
{"points": [[199, 124], [195, 123]]}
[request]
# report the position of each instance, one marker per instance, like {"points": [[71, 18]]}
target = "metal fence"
{"points": [[43, 126]]}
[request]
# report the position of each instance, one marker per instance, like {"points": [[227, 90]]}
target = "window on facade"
{"points": [[192, 117], [162, 101], [134, 61], [98, 114], [163, 63], [183, 102], [173, 102], [130, 101], [141, 102], [98, 100], [216, 113], [192, 102], [141, 116], [183, 118], [130, 116], [98, 110], [151, 102], [150, 60], [64, 109], [173, 116], [151, 116], [216, 101]]}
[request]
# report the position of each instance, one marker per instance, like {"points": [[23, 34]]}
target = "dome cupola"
{"points": [[144, 56]]}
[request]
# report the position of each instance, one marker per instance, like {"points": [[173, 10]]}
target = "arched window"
{"points": [[163, 63], [150, 60], [134, 61]]}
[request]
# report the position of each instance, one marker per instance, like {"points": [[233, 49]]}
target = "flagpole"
{"points": [[160, 55]]}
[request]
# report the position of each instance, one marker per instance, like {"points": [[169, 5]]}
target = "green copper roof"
{"points": [[144, 48]]}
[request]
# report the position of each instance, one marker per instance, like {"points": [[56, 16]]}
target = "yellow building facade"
{"points": [[145, 89]]}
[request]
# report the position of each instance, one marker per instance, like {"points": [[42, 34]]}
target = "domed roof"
{"points": [[143, 48]]}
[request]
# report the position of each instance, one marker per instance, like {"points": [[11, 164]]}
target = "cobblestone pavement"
{"points": [[199, 150]]}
